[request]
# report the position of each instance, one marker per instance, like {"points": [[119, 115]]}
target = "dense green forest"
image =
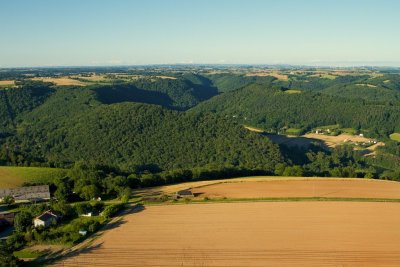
{"points": [[74, 125], [175, 120], [272, 108]]}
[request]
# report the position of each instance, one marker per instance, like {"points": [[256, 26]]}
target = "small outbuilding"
{"points": [[83, 232], [184, 194], [46, 219]]}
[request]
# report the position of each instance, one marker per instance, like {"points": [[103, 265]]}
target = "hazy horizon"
{"points": [[128, 33]]}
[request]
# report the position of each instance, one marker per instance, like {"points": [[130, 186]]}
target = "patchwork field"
{"points": [[250, 234], [11, 177]]}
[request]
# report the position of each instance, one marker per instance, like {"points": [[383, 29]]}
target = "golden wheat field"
{"points": [[251, 234], [312, 187], [60, 81], [7, 82]]}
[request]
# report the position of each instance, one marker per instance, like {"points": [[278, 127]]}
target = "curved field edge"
{"points": [[11, 177], [153, 193], [275, 199]]}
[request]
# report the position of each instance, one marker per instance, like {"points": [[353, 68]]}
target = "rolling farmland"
{"points": [[322, 188], [250, 234]]}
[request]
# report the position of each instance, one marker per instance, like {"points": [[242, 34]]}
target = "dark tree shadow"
{"points": [[130, 93], [301, 142]]}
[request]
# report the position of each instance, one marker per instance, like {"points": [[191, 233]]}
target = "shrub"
{"points": [[111, 210], [22, 221]]}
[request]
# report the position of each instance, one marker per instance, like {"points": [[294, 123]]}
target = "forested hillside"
{"points": [[272, 108], [154, 121], [172, 93], [13, 102], [73, 125]]}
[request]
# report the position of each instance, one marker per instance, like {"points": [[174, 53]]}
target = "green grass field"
{"points": [[293, 131], [395, 137], [293, 91], [27, 254], [16, 176]]}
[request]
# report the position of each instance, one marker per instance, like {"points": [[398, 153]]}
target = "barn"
{"points": [[32, 193]]}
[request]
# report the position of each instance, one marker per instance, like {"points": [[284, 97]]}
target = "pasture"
{"points": [[293, 91], [250, 234], [11, 177], [395, 137]]}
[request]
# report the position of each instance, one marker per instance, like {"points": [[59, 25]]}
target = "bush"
{"points": [[7, 259], [65, 209], [97, 206], [8, 200], [83, 208], [22, 221], [16, 241], [111, 210]]}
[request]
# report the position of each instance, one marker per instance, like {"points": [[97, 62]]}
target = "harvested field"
{"points": [[250, 234], [339, 188], [166, 77], [332, 141], [7, 83], [293, 91], [281, 187], [59, 81], [171, 189], [253, 129], [367, 85], [273, 74]]}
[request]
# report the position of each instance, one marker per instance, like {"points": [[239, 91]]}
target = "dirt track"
{"points": [[345, 188], [251, 234]]}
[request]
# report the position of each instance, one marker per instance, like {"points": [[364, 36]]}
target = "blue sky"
{"points": [[125, 32]]}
